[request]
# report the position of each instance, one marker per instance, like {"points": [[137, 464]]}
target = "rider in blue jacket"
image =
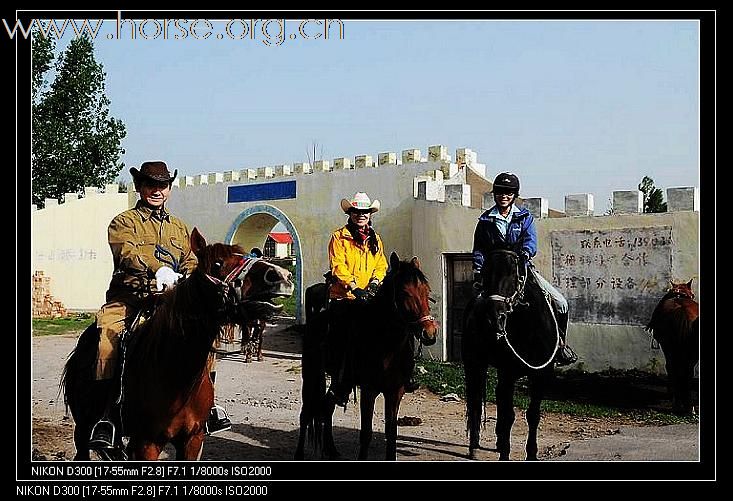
{"points": [[506, 225]]}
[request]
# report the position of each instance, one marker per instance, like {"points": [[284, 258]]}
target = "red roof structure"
{"points": [[282, 238]]}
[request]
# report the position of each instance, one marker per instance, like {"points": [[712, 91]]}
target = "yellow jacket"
{"points": [[352, 263]]}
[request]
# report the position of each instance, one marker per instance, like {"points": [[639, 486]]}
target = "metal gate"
{"points": [[459, 280]]}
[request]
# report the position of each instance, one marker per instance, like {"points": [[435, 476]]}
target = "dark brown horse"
{"points": [[511, 326], [166, 389], [383, 358], [674, 324]]}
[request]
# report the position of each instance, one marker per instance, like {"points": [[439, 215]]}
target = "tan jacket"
{"points": [[133, 236], [351, 262]]}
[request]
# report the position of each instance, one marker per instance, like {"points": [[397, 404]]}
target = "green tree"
{"points": [[42, 58], [75, 141], [652, 196]]}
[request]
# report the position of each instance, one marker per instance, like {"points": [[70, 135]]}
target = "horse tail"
{"points": [[78, 373], [313, 372]]}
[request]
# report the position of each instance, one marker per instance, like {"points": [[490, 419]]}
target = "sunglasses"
{"points": [[359, 212], [503, 192]]}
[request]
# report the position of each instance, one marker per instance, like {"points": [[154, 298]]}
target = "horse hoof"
{"points": [[531, 458], [472, 454], [504, 457], [331, 454]]}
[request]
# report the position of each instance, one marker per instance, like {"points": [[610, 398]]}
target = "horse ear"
{"points": [[415, 262], [394, 260], [689, 284], [198, 242]]}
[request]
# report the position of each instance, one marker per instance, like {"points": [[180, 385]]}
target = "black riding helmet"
{"points": [[507, 181]]}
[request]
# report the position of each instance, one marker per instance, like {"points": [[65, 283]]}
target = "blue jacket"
{"points": [[521, 236]]}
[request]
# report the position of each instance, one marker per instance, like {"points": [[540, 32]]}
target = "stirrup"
{"points": [[565, 356], [218, 420], [103, 435], [339, 400]]}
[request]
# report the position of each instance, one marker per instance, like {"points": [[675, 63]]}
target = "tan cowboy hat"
{"points": [[156, 171], [360, 201]]}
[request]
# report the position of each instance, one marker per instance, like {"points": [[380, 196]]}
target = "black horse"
{"points": [[383, 357], [512, 326]]}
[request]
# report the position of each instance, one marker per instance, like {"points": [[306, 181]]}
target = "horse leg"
{"points": [[475, 393], [674, 380], [261, 334], [536, 392], [392, 401], [144, 451], [82, 432], [329, 447], [190, 448], [504, 413], [367, 413]]}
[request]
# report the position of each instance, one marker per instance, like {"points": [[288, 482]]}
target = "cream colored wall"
{"points": [[69, 244], [316, 211], [443, 228]]}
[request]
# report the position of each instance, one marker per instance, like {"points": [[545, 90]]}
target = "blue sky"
{"points": [[570, 106]]}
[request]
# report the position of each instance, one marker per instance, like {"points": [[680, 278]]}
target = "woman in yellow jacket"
{"points": [[358, 266], [356, 252]]}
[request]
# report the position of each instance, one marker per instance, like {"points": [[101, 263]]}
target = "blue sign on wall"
{"points": [[259, 192]]}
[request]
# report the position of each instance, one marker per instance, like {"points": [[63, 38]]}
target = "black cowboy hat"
{"points": [[155, 171]]}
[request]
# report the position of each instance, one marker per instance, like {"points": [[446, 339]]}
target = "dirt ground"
{"points": [[263, 400]]}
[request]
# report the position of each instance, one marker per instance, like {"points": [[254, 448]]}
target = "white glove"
{"points": [[166, 277]]}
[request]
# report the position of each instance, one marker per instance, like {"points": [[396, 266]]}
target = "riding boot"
{"points": [[565, 355], [218, 419], [340, 387], [103, 432]]}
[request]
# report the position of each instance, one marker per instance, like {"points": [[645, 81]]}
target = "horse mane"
{"points": [[412, 274]]}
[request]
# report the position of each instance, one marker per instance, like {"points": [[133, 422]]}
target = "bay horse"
{"points": [[675, 325], [510, 325], [167, 391], [398, 314]]}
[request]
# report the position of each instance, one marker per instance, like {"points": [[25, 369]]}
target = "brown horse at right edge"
{"points": [[674, 324]]}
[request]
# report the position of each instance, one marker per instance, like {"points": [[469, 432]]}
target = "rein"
{"points": [[513, 300], [237, 274]]}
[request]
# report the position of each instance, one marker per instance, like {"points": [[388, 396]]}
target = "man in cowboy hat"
{"points": [[504, 225], [151, 251]]}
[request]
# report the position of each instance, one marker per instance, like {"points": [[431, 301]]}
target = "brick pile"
{"points": [[44, 304]]}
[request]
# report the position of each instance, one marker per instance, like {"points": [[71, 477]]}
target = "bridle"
{"points": [[230, 286], [677, 293], [414, 326]]}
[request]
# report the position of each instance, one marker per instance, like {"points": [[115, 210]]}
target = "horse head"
{"points": [[409, 291], [503, 283], [247, 283], [682, 290]]}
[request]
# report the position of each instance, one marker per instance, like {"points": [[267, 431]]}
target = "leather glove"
{"points": [[372, 288], [360, 294], [525, 256], [166, 277]]}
